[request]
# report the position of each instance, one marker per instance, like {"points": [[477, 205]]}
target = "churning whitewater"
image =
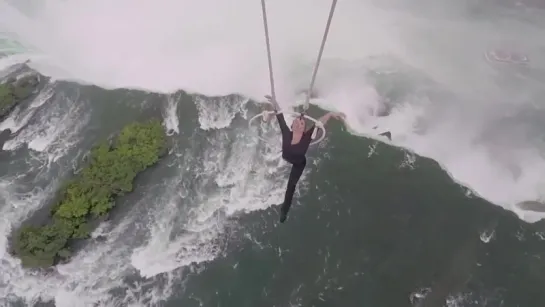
{"points": [[466, 113], [480, 120], [53, 127]]}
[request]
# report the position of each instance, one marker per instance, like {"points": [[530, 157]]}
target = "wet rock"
{"points": [[14, 91], [4, 136]]}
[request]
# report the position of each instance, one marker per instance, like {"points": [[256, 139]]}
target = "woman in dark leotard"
{"points": [[295, 144]]}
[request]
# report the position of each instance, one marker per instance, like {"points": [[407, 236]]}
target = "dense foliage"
{"points": [[5, 95], [14, 91], [91, 194]]}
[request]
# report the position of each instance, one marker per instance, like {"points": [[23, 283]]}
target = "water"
{"points": [[376, 224]]}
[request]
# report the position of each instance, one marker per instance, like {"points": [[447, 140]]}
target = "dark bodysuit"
{"points": [[294, 154]]}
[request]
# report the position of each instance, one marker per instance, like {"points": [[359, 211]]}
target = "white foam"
{"points": [[205, 217], [10, 61], [171, 119], [17, 119], [60, 124], [214, 47], [52, 133], [487, 235], [87, 280], [186, 224]]}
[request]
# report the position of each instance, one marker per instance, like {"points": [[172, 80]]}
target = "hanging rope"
{"points": [[267, 41], [265, 24], [271, 76], [324, 38]]}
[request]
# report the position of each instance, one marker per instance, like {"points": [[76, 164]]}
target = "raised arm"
{"points": [[282, 123], [279, 116], [273, 102], [307, 136], [324, 119]]}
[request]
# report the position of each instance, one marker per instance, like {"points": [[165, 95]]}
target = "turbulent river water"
{"points": [[376, 223]]}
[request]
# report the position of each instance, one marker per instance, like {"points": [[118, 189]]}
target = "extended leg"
{"points": [[295, 174]]}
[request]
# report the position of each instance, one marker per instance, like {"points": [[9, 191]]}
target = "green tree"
{"points": [[109, 174]]}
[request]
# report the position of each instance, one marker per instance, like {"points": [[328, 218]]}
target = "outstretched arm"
{"points": [[273, 102], [307, 136], [324, 119]]}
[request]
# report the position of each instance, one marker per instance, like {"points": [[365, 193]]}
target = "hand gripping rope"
{"points": [[273, 94]]}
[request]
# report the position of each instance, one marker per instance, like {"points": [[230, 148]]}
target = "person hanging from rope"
{"points": [[295, 144]]}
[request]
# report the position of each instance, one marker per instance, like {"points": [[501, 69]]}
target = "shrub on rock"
{"points": [[14, 91], [110, 173]]}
